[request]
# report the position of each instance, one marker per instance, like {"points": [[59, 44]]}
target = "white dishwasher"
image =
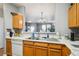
{"points": [[17, 47]]}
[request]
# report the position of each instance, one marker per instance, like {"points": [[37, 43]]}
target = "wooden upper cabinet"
{"points": [[72, 20], [77, 14], [17, 21]]}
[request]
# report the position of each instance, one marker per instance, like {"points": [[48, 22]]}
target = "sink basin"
{"points": [[48, 39], [53, 39]]}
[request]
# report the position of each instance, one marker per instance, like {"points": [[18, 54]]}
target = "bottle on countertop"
{"points": [[11, 33], [72, 36]]}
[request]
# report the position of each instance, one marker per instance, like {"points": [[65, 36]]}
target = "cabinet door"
{"points": [[77, 14], [69, 18], [8, 47], [28, 50], [72, 16], [18, 21], [54, 52], [40, 51], [65, 51]]}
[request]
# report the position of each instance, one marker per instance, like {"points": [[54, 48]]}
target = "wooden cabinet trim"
{"points": [[28, 42], [40, 44]]}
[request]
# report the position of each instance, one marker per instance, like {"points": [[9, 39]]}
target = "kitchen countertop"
{"points": [[60, 41], [47, 40], [15, 37]]}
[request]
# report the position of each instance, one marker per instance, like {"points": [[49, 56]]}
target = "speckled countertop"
{"points": [[59, 41]]}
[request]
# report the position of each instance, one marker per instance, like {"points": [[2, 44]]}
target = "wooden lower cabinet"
{"points": [[28, 50], [54, 52], [54, 49], [8, 47], [65, 51], [40, 51], [1, 51], [45, 49]]}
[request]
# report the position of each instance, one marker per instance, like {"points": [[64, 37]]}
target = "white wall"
{"points": [[33, 11], [61, 18], [1, 32], [1, 12], [59, 10], [1, 9], [7, 15], [2, 35]]}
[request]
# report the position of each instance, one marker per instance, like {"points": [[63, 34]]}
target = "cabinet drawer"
{"points": [[41, 44], [54, 52], [57, 46], [28, 42]]}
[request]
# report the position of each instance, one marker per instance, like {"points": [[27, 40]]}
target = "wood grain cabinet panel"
{"points": [[54, 52], [8, 47], [77, 14], [31, 48], [1, 51], [54, 49], [25, 42], [65, 51], [18, 21], [28, 50], [41, 44], [69, 18], [40, 51], [55, 46], [72, 16]]}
